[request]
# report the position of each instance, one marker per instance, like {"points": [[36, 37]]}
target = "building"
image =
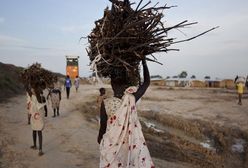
{"points": [[171, 83], [157, 81], [197, 83], [228, 83]]}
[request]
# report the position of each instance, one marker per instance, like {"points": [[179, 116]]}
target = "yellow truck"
{"points": [[72, 68]]}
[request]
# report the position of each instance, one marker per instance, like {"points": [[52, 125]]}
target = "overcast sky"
{"points": [[45, 31]]}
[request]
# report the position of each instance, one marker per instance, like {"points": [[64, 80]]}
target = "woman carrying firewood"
{"points": [[122, 143], [37, 79], [37, 118], [119, 41]]}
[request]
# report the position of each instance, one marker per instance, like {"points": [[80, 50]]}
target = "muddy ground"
{"points": [[184, 128]]}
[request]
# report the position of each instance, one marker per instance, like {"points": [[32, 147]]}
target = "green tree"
{"points": [[193, 77], [183, 74], [207, 77], [156, 76]]}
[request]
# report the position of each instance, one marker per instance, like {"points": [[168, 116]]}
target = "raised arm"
{"points": [[103, 122], [142, 88]]}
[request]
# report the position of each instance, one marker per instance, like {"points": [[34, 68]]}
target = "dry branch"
{"points": [[125, 36], [37, 77]]}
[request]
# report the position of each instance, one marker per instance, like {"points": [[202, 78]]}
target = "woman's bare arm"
{"points": [[103, 122], [142, 89]]}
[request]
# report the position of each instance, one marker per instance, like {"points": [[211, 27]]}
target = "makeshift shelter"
{"points": [[171, 83], [228, 83], [197, 83], [158, 81]]}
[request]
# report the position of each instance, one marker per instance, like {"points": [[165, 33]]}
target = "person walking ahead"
{"points": [[240, 89], [68, 86], [121, 139]]}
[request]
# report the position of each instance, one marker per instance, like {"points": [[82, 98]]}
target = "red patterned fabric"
{"points": [[123, 145]]}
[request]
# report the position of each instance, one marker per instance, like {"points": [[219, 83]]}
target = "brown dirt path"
{"points": [[69, 141]]}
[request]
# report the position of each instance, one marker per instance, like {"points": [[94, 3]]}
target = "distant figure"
{"points": [[37, 118], [43, 100], [29, 94], [67, 85], [76, 83], [44, 93], [55, 96], [101, 97], [240, 89], [246, 82], [236, 78]]}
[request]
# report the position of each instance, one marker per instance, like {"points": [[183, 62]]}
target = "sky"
{"points": [[45, 31]]}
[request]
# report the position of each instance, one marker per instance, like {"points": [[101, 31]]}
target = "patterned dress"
{"points": [[37, 114], [55, 98], [123, 145]]}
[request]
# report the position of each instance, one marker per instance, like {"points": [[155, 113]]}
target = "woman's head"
{"points": [[119, 84], [102, 91]]}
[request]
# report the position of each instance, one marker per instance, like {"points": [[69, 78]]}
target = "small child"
{"points": [[76, 83], [55, 95], [101, 97]]}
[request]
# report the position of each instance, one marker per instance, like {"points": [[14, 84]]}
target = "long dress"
{"points": [[37, 114], [123, 145], [76, 83], [55, 98]]}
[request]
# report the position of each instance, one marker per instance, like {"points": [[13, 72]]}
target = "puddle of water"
{"points": [[205, 145], [152, 126], [238, 146], [156, 126]]}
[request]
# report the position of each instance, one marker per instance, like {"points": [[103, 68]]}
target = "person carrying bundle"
{"points": [[120, 40], [37, 118], [37, 79], [122, 142]]}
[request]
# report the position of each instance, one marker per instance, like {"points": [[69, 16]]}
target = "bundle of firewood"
{"points": [[37, 77], [126, 35]]}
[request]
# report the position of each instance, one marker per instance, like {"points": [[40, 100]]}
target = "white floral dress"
{"points": [[123, 145]]}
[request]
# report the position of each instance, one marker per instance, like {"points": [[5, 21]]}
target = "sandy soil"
{"points": [[204, 127], [69, 141]]}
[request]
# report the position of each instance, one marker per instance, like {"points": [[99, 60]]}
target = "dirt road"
{"points": [[69, 141]]}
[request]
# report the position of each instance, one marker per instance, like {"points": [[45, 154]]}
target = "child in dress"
{"points": [[37, 118], [76, 83], [101, 97], [55, 96]]}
